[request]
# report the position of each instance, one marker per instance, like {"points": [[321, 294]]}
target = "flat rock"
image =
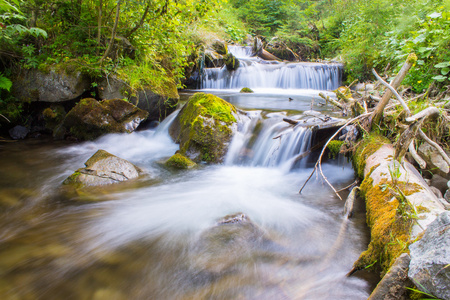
{"points": [[103, 168], [430, 259]]}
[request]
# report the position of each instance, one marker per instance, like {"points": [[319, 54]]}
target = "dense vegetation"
{"points": [[155, 42]]}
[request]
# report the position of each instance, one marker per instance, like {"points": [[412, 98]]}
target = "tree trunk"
{"points": [[141, 22], [113, 33], [99, 22]]}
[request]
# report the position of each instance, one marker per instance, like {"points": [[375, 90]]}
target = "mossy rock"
{"points": [[231, 62], [220, 47], [53, 116], [179, 161], [246, 90], [90, 119], [204, 128], [103, 168]]}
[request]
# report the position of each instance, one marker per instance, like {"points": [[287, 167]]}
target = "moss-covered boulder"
{"points": [[204, 128], [220, 47], [90, 118], [246, 90], [103, 168], [159, 103], [231, 62], [179, 161]]}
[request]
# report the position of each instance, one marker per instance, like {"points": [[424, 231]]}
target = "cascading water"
{"points": [[164, 236], [255, 73]]}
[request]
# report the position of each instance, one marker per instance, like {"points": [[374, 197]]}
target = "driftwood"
{"points": [[419, 160], [435, 145], [428, 112], [290, 121], [412, 58], [405, 139]]}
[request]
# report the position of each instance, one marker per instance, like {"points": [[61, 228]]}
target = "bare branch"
{"points": [[416, 156], [428, 112], [392, 89]]}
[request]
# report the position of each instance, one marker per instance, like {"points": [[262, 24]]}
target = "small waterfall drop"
{"points": [[269, 142], [241, 52], [257, 73]]}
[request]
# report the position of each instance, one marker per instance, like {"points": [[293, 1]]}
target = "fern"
{"points": [[5, 83]]}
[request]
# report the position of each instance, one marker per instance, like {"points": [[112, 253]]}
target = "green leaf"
{"points": [[435, 15], [443, 65], [445, 71], [5, 83], [439, 78], [421, 62]]}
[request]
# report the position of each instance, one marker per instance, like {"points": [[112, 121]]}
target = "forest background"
{"points": [[154, 42]]}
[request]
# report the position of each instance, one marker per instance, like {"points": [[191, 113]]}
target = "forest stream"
{"points": [[238, 230]]}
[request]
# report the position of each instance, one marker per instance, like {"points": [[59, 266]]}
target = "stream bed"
{"points": [[160, 237]]}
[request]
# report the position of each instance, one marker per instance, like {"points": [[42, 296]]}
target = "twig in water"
{"points": [[319, 160]]}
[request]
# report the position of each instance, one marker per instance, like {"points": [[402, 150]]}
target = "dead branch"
{"points": [[419, 160], [405, 139], [341, 96], [5, 118], [331, 100], [393, 91], [412, 58], [319, 160], [290, 121], [435, 145], [428, 112]]}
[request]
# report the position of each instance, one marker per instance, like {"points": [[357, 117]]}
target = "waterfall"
{"points": [[241, 52], [269, 142], [257, 73]]}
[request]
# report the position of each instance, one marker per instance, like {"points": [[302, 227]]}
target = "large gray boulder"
{"points": [[430, 259], [53, 85], [103, 168], [90, 118], [157, 104]]}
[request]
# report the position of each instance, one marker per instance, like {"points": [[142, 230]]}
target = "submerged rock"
{"points": [[90, 119], [103, 168], [430, 259], [179, 161], [227, 244], [204, 128]]}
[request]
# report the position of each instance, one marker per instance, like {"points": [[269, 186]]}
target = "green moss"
{"points": [[231, 62], [390, 221], [246, 90], [335, 147], [205, 126], [368, 146], [179, 161], [412, 58]]}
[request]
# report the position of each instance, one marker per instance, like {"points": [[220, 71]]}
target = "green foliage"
{"points": [[5, 83]]}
